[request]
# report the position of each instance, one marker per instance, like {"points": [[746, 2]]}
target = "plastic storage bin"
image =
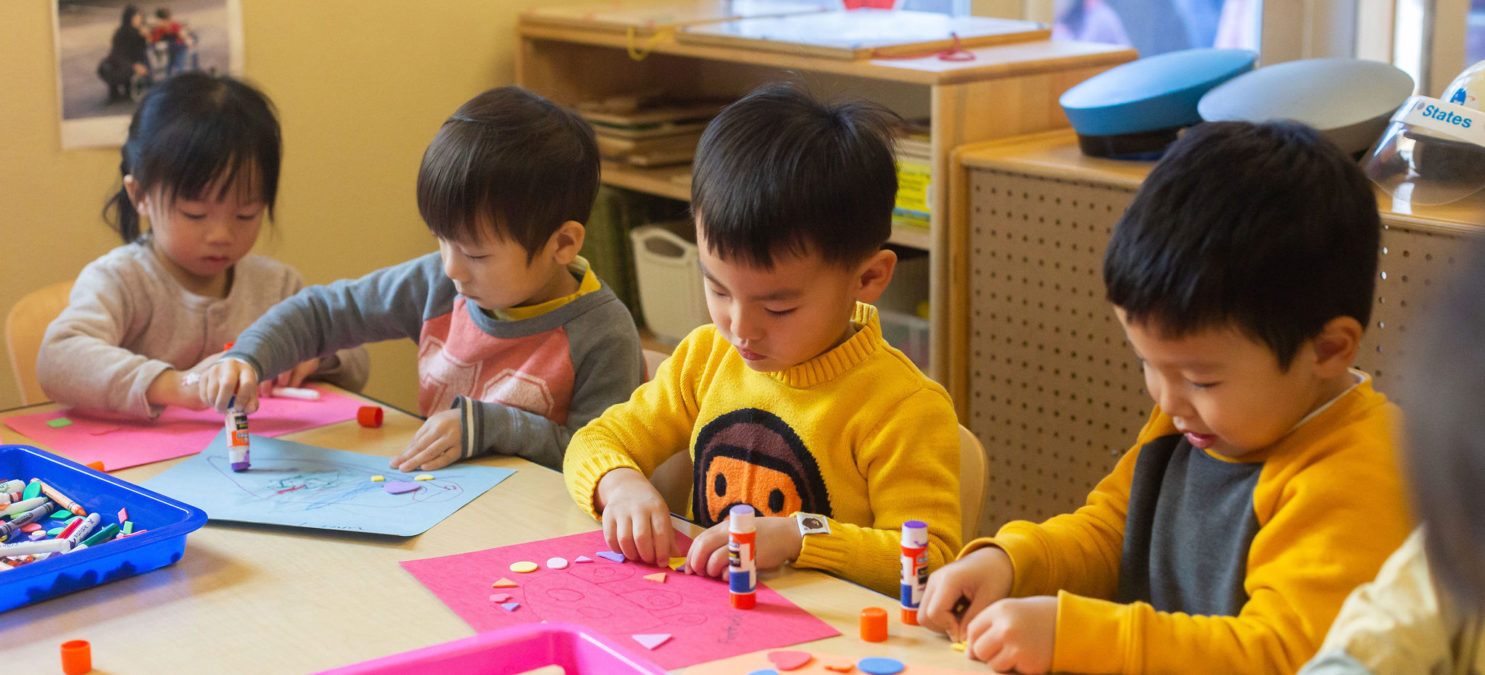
{"points": [[167, 521], [517, 649], [671, 296]]}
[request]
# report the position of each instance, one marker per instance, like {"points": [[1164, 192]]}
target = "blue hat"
{"points": [[1135, 110]]}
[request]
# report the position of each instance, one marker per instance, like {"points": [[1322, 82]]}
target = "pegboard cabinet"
{"points": [[1051, 387]]}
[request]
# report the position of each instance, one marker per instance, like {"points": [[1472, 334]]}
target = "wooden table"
{"points": [[260, 599]]}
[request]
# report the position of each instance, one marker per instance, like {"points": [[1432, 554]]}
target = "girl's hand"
{"points": [[230, 382], [289, 378], [636, 521], [959, 591], [1015, 635], [438, 443]]}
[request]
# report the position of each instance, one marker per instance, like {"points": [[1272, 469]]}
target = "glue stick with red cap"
{"points": [[742, 562], [914, 568]]}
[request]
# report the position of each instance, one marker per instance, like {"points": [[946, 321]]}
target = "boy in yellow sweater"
{"points": [[1263, 488], [791, 401]]}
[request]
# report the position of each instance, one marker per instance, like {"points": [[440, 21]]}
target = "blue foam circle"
{"points": [[880, 665]]}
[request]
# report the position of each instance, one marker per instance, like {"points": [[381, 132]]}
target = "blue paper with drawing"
{"points": [[307, 486]]}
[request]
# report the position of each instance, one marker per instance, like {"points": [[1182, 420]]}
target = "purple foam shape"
{"points": [[397, 487], [610, 555], [510, 606]]}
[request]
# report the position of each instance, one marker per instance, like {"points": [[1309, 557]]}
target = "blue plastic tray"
{"points": [[167, 521]]}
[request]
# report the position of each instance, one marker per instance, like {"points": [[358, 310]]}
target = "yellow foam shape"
{"points": [[677, 562], [523, 567], [423, 476], [378, 478], [956, 646]]}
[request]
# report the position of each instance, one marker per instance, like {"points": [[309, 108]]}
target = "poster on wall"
{"points": [[110, 52]]}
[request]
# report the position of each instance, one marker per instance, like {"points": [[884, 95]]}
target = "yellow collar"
{"points": [[587, 284]]}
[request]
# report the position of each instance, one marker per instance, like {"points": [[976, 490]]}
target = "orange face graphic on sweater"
{"points": [[752, 457]]}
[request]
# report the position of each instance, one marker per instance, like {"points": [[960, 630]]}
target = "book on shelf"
{"points": [[914, 151], [648, 130]]}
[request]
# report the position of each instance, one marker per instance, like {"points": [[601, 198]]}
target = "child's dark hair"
{"points": [[780, 172], [1267, 227], [192, 129], [1445, 453], [510, 160]]}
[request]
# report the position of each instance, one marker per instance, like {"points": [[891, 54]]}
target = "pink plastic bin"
{"points": [[517, 649]]}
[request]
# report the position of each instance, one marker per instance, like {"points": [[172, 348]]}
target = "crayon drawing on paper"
{"points": [[307, 486]]}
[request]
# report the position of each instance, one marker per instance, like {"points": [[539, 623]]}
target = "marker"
{"points": [[34, 547], [914, 568], [24, 505], [297, 392], [16, 523], [237, 437], [102, 536], [62, 500], [13, 485], [70, 527], [84, 527], [742, 563]]}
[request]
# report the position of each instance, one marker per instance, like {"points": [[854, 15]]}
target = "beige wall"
{"points": [[361, 86]]}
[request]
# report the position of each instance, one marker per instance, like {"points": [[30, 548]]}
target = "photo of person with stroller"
{"points": [[110, 52]]}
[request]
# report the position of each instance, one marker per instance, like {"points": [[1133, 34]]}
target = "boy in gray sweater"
{"points": [[519, 343]]}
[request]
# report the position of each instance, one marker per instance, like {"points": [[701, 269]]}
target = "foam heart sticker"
{"points": [[788, 659], [838, 664]]}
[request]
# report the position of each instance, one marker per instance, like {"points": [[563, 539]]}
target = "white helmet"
{"points": [[1433, 152]]}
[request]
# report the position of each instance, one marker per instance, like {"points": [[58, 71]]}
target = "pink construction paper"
{"points": [[614, 599], [121, 443]]}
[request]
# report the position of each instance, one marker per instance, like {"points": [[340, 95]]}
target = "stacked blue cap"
{"points": [[1135, 110]]}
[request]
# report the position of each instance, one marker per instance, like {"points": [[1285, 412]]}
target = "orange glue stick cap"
{"points": [[370, 416], [874, 624], [77, 657]]}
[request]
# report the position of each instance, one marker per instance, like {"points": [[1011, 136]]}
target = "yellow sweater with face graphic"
{"points": [[857, 434]]}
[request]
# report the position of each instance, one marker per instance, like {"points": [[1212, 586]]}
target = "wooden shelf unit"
{"points": [[1006, 90], [1048, 384]]}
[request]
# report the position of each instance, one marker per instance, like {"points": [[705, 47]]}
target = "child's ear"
{"points": [[873, 275], [566, 242], [131, 188], [1336, 346]]}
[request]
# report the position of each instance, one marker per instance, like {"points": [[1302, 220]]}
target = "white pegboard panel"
{"points": [[1055, 394], [1415, 264]]}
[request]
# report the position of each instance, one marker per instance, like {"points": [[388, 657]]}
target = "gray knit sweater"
{"points": [[522, 387]]}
